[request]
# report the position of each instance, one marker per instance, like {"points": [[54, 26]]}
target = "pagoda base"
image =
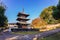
{"points": [[22, 25]]}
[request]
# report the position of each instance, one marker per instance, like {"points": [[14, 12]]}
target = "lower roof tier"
{"points": [[22, 19], [22, 23]]}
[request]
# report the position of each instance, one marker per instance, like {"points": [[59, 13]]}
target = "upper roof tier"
{"points": [[22, 14], [25, 19]]}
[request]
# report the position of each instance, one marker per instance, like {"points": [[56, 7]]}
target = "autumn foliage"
{"points": [[38, 22]]}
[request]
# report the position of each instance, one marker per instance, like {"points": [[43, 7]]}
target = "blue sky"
{"points": [[31, 7]]}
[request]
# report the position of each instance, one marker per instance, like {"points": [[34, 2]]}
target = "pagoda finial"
{"points": [[23, 10]]}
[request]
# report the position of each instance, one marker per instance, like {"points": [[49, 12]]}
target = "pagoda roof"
{"points": [[22, 13], [22, 19]]}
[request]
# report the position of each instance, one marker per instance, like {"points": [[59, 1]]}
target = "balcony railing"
{"points": [[23, 22], [21, 17]]}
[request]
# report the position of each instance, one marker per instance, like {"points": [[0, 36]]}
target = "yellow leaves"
{"points": [[38, 22]]}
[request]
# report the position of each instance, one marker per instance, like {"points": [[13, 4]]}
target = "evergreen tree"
{"points": [[58, 6], [56, 13], [3, 18]]}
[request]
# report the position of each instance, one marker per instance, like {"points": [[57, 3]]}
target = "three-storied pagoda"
{"points": [[22, 20]]}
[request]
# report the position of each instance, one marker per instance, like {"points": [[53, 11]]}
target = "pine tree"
{"points": [[3, 18], [56, 14], [58, 6]]}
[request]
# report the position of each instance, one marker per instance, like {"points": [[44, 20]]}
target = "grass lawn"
{"points": [[52, 37], [26, 32]]}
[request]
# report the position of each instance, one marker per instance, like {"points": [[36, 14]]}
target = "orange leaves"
{"points": [[36, 23]]}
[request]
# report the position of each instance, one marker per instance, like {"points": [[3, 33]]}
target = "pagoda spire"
{"points": [[23, 10]]}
